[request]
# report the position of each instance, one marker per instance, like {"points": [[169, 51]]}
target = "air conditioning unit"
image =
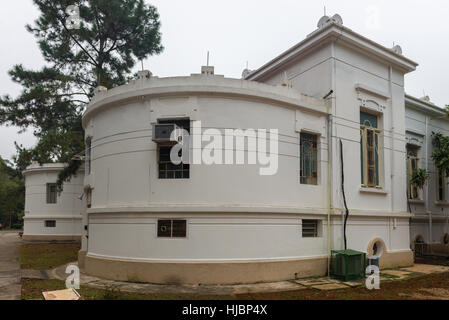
{"points": [[162, 133]]}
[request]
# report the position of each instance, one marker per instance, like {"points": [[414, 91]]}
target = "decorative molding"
{"points": [[311, 123], [371, 99], [414, 139], [372, 91]]}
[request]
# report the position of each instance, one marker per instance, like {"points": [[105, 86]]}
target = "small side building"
{"points": [[429, 206], [50, 216]]}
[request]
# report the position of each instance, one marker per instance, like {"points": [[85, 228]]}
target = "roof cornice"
{"points": [[421, 105], [197, 85], [47, 167], [333, 32]]}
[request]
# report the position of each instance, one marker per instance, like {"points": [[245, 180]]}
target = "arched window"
{"points": [[412, 165], [308, 158], [370, 150]]}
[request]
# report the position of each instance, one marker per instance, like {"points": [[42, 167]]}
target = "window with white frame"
{"points": [[370, 150], [52, 193], [412, 165], [441, 185], [310, 228], [308, 158]]}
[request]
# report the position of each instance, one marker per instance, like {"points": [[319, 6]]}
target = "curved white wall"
{"points": [[232, 212], [67, 211]]}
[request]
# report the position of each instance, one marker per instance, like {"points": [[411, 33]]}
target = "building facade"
{"points": [[336, 95], [429, 205], [49, 215]]}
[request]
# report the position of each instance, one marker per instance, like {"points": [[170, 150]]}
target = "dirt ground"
{"points": [[434, 260], [425, 287], [429, 287]]}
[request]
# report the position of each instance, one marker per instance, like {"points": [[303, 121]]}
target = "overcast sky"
{"points": [[237, 31]]}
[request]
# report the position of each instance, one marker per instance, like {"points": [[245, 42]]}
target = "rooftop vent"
{"points": [[208, 70], [325, 20], [144, 74], [397, 49], [246, 73], [100, 89], [426, 98]]}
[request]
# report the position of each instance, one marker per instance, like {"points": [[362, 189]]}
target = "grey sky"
{"points": [[237, 31]]}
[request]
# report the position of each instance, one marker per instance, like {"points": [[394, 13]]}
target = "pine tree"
{"points": [[112, 35]]}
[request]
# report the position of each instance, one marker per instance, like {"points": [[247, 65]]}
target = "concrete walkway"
{"points": [[323, 284], [10, 276]]}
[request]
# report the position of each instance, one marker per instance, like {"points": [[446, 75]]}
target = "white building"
{"points": [[50, 216], [150, 220], [430, 205]]}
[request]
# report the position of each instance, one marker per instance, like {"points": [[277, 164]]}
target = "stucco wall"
{"points": [[66, 211], [430, 217]]}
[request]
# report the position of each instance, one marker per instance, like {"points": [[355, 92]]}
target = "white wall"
{"points": [[337, 66], [431, 217], [67, 211]]}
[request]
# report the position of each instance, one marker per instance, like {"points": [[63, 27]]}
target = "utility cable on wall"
{"points": [[343, 192]]}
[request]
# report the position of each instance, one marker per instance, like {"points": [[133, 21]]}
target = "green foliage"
{"points": [[113, 36], [419, 177], [12, 195], [441, 154]]}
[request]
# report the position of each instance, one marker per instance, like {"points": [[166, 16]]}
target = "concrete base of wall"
{"points": [[396, 259], [51, 238], [233, 272], [438, 248], [82, 259], [210, 273]]}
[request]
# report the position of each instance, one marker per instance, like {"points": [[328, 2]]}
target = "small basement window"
{"points": [[171, 228], [51, 193], [310, 228], [50, 223]]}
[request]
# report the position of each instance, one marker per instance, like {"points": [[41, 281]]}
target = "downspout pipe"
{"points": [[329, 189], [427, 185]]}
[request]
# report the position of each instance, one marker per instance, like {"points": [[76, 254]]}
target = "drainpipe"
{"points": [[390, 88], [427, 185], [330, 109], [329, 189], [392, 163]]}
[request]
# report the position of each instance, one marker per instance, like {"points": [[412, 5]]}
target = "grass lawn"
{"points": [[429, 287], [44, 256]]}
